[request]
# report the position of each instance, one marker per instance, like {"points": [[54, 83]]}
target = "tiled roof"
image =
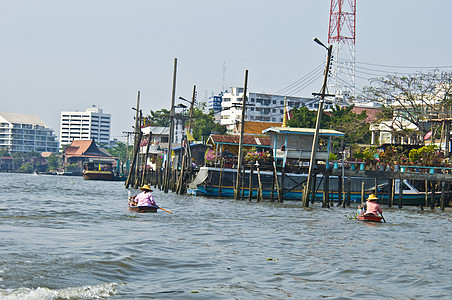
{"points": [[84, 148], [253, 127], [370, 111]]}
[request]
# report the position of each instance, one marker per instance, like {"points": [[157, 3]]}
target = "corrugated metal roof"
{"points": [[306, 131]]}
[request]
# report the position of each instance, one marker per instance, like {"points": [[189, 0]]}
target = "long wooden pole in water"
{"points": [[171, 131], [242, 127], [143, 177]]}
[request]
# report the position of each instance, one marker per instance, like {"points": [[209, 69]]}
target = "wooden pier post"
{"points": [[160, 178], [349, 189], [260, 192], [242, 191], [426, 193], [339, 190], [132, 174], [250, 184], [143, 177], [272, 193], [376, 187], [443, 196], [432, 195], [220, 180], [281, 194], [278, 190], [390, 192], [326, 189], [363, 195], [400, 192], [313, 188]]}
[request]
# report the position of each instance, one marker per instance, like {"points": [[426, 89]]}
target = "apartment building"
{"points": [[260, 107], [26, 133], [92, 124]]}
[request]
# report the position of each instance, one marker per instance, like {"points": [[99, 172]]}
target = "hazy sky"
{"points": [[60, 55]]}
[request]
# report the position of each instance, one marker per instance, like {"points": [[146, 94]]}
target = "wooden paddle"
{"points": [[171, 212], [383, 218]]}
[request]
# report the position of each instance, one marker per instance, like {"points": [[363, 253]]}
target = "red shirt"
{"points": [[373, 208]]}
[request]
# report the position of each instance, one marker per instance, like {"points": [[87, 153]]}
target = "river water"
{"points": [[66, 238]]}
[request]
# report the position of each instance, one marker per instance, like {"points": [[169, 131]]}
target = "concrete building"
{"points": [[260, 107], [92, 124], [26, 133]]}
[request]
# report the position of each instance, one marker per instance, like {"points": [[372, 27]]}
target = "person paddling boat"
{"points": [[145, 198], [371, 210]]}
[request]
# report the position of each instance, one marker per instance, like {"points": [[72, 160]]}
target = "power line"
{"points": [[301, 81]]}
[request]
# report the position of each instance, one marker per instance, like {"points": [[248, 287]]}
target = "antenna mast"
{"points": [[341, 34]]}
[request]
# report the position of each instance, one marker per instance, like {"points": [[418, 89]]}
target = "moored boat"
{"points": [[142, 209], [98, 170], [207, 183], [370, 218]]}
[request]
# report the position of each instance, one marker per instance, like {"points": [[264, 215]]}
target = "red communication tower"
{"points": [[342, 21], [342, 33]]}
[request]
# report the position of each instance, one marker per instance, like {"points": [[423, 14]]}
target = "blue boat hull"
{"points": [[293, 187]]}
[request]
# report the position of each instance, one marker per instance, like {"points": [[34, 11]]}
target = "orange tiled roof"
{"points": [[253, 127], [83, 148]]}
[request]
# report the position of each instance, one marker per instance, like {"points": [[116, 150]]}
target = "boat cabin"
{"points": [[296, 143]]}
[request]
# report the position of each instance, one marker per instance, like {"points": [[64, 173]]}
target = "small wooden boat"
{"points": [[142, 209], [370, 218]]}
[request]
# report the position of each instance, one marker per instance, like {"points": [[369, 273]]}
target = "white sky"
{"points": [[64, 55]]}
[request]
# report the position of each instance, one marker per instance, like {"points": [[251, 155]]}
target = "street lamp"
{"points": [[320, 43], [312, 161]]}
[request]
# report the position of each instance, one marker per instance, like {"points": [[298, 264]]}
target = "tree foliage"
{"points": [[53, 162], [159, 118], [120, 150], [342, 119], [413, 98], [353, 125], [204, 124], [304, 118]]}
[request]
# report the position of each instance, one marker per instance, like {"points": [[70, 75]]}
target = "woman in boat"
{"points": [[144, 198], [372, 207]]}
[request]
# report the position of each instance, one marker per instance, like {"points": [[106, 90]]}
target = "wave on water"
{"points": [[100, 291]]}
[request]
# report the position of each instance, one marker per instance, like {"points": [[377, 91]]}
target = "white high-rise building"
{"points": [[26, 133], [91, 124], [260, 107]]}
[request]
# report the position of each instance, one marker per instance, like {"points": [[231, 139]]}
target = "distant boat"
{"points": [[67, 173], [98, 170], [35, 172]]}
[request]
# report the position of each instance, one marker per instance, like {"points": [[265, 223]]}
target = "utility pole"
{"points": [[127, 133], [242, 127], [312, 162], [136, 137], [171, 133]]}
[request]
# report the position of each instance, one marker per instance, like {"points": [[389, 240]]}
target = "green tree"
{"points": [[159, 118], [353, 125], [204, 124], [304, 118], [26, 168], [120, 150], [53, 162]]}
